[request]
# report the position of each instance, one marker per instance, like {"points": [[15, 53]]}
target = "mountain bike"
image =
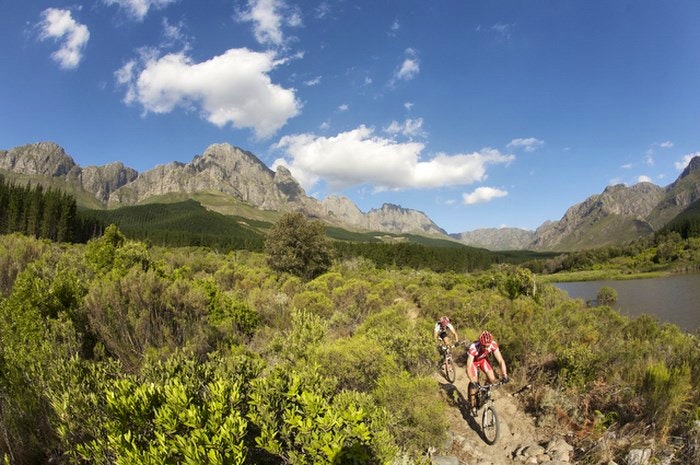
{"points": [[489, 418], [447, 365]]}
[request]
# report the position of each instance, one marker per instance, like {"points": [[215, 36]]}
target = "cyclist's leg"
{"points": [[474, 387], [488, 371]]}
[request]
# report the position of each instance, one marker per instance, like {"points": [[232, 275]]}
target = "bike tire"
{"points": [[450, 372], [489, 425]]}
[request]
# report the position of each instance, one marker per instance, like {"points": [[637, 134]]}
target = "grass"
{"points": [[599, 275]]}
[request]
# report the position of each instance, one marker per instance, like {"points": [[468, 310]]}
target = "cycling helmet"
{"points": [[444, 321], [485, 338]]}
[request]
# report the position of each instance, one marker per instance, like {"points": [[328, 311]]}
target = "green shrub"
{"points": [[357, 362], [607, 295], [666, 392], [181, 412], [302, 423], [418, 423]]}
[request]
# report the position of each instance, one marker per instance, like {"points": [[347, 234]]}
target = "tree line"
{"points": [[43, 214]]}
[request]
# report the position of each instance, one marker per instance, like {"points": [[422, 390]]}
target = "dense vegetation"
{"points": [[666, 252], [188, 223], [687, 224], [121, 352], [48, 214], [184, 224]]}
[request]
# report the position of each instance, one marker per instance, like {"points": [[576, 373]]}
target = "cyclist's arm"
{"points": [[470, 369], [499, 357], [454, 333]]}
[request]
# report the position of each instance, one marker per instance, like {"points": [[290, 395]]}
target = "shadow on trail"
{"points": [[456, 399]]}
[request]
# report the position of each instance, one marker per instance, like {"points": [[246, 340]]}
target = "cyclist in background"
{"points": [[477, 359], [442, 338]]}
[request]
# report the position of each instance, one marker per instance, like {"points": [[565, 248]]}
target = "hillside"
{"points": [[179, 351], [235, 182]]}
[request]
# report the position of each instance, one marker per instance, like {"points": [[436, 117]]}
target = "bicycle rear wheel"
{"points": [[450, 373], [489, 425]]}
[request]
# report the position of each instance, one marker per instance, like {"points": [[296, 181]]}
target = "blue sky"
{"points": [[478, 113]]}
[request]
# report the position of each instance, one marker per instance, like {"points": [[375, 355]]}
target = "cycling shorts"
{"points": [[482, 364]]}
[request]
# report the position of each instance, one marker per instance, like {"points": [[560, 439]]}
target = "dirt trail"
{"points": [[519, 440]]}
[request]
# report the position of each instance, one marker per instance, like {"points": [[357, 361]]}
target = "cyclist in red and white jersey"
{"points": [[478, 359]]}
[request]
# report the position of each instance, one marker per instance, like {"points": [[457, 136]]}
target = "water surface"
{"points": [[674, 299]]}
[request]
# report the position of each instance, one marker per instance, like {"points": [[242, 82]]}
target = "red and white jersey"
{"points": [[479, 351]]}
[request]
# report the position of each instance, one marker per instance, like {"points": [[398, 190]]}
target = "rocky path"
{"points": [[520, 441]]}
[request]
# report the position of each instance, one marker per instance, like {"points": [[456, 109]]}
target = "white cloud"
{"points": [[681, 165], [409, 128], [173, 34], [232, 88], [666, 145], [59, 25], [644, 179], [408, 105], [626, 166], [138, 9], [343, 107], [268, 18], [394, 28], [529, 144], [313, 82], [483, 195], [358, 157], [409, 69], [503, 30]]}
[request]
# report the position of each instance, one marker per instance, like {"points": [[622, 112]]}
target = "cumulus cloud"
{"points": [[666, 145], [681, 165], [138, 9], [268, 17], [644, 179], [529, 144], [358, 157], [233, 88], [409, 128], [482, 195], [59, 25]]}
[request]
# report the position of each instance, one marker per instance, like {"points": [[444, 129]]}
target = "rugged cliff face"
{"points": [[618, 214], [223, 169], [395, 219]]}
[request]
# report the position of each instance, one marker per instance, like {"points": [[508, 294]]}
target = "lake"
{"points": [[674, 299]]}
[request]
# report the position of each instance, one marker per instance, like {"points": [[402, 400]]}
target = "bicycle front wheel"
{"points": [[489, 425], [450, 373]]}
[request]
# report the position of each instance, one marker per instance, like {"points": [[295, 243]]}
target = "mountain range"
{"points": [[234, 181]]}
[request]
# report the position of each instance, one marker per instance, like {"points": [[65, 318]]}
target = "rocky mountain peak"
{"points": [[693, 166], [395, 219], [39, 159], [287, 184]]}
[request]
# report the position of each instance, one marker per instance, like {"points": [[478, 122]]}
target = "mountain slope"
{"points": [[233, 181], [223, 170]]}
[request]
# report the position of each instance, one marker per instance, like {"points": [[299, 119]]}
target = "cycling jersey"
{"points": [[442, 331], [480, 354]]}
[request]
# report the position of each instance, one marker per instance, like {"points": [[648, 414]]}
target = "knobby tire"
{"points": [[489, 425], [450, 373]]}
